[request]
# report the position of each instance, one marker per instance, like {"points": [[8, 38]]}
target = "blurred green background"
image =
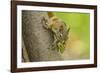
{"points": [[79, 24]]}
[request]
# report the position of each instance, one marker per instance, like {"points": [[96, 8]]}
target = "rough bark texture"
{"points": [[37, 39], [24, 53]]}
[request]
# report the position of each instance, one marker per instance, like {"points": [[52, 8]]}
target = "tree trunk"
{"points": [[25, 57], [36, 38]]}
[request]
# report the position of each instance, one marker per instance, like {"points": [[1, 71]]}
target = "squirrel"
{"points": [[60, 32]]}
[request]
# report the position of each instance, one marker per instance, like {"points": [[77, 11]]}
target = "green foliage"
{"points": [[79, 24]]}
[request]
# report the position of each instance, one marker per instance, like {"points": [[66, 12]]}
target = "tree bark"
{"points": [[36, 38], [25, 57]]}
